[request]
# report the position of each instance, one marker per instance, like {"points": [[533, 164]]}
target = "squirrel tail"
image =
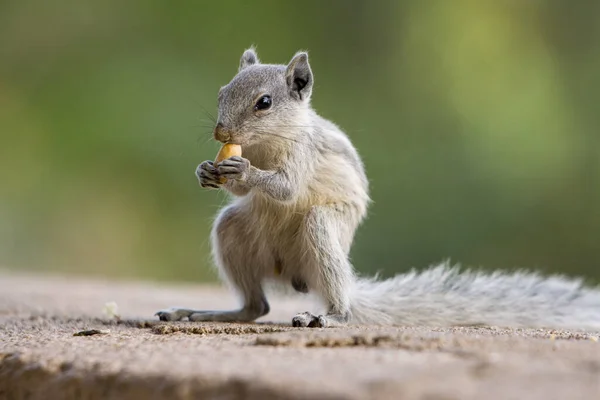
{"points": [[446, 296]]}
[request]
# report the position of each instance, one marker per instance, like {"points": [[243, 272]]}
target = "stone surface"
{"points": [[139, 357]]}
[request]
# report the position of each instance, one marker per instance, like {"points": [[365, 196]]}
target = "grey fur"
{"points": [[299, 194], [248, 58], [298, 76]]}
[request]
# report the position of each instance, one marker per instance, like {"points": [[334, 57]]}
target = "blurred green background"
{"points": [[478, 122]]}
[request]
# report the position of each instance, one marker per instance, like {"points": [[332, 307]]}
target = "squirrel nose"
{"points": [[220, 133]]}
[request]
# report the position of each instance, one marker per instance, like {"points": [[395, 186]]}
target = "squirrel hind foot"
{"points": [[309, 320]]}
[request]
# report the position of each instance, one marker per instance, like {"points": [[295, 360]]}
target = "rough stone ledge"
{"points": [[143, 358]]}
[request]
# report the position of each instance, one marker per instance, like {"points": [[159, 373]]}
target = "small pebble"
{"points": [[92, 332]]}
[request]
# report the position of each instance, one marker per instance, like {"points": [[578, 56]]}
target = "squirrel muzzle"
{"points": [[221, 134]]}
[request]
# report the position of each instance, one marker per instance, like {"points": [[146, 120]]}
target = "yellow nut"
{"points": [[227, 151]]}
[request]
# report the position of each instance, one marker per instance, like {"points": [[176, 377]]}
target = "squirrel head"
{"points": [[264, 100]]}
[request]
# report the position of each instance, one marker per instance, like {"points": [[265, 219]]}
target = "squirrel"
{"points": [[299, 193]]}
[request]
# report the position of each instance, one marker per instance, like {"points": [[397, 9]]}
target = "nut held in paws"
{"points": [[228, 150]]}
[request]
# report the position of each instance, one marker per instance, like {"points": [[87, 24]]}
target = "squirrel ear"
{"points": [[248, 58], [299, 77]]}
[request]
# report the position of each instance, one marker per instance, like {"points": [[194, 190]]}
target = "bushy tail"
{"points": [[444, 296]]}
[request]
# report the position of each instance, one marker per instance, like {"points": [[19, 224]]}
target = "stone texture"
{"points": [[142, 358]]}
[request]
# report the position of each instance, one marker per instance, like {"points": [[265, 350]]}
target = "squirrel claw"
{"points": [[173, 314]]}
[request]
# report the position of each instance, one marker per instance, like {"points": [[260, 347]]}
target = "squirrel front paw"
{"points": [[207, 175], [234, 168]]}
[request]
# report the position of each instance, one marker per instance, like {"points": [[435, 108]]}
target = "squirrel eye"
{"points": [[263, 103]]}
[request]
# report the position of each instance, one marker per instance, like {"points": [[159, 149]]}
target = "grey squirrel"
{"points": [[300, 192]]}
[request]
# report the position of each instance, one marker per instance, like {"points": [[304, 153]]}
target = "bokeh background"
{"points": [[478, 122]]}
